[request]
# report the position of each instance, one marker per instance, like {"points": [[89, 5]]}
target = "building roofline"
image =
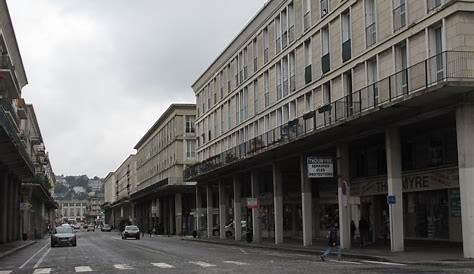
{"points": [[110, 174], [160, 120], [16, 44], [232, 42], [31, 110]]}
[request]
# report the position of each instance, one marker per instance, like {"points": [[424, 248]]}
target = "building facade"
{"points": [[110, 197], [72, 211], [163, 200], [26, 204], [327, 112]]}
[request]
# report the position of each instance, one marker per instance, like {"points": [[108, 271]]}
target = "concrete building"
{"points": [[118, 186], [163, 200], [25, 185], [94, 211], [72, 210], [326, 112]]}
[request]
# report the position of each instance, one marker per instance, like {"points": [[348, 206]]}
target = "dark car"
{"points": [[106, 228], [63, 236], [131, 231]]}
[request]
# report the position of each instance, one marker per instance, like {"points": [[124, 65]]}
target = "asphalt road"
{"points": [[102, 252]]}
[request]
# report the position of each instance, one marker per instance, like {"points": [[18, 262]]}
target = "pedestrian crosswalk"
{"points": [[116, 268]]}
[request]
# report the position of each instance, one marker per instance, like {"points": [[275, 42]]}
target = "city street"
{"points": [[99, 252]]}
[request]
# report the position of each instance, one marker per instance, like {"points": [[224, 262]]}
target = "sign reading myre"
{"points": [[320, 167]]}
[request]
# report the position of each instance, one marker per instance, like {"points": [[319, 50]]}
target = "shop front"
{"points": [[431, 205]]}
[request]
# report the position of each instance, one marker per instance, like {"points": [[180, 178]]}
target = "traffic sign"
{"points": [[391, 199]]}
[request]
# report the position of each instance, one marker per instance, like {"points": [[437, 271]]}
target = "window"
{"points": [[347, 87], [221, 84], [284, 29], [432, 4], [307, 14], [324, 8], [325, 59], [373, 91], [399, 14], [228, 116], [189, 124], [292, 71], [278, 80], [284, 73], [326, 93], [236, 70], [435, 63], [266, 85], [309, 101], [370, 23], [255, 97], [307, 61], [346, 36], [291, 23], [400, 83], [245, 62], [255, 55], [265, 45], [278, 34], [190, 149], [222, 119]]}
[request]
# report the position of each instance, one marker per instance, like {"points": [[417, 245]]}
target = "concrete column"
{"points": [[395, 187], [178, 209], [11, 217], [254, 185], [210, 209], [171, 204], [237, 209], [465, 137], [222, 210], [198, 210], [306, 203], [3, 207], [278, 203], [343, 191]]}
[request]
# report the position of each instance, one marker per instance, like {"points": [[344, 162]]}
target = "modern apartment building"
{"points": [[118, 188], [26, 204], [163, 200], [324, 111]]}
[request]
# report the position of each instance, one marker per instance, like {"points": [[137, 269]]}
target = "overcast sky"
{"points": [[101, 72]]}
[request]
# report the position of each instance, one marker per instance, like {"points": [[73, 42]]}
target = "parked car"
{"points": [[106, 228], [131, 231], [90, 227], [76, 226], [63, 236]]}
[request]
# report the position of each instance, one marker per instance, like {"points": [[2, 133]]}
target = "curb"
{"points": [[289, 249], [15, 249]]}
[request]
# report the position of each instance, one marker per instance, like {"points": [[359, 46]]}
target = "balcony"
{"points": [[450, 73], [8, 80]]}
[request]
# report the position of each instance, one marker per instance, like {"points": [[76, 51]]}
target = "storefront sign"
{"points": [[252, 203], [412, 182], [320, 167]]}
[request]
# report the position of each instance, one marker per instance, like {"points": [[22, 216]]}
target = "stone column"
{"points": [[178, 209], [278, 203], [395, 187], [222, 210], [210, 209], [465, 137], [237, 209], [344, 195], [254, 185], [198, 210], [306, 203]]}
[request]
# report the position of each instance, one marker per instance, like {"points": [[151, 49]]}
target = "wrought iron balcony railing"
{"points": [[444, 67]]}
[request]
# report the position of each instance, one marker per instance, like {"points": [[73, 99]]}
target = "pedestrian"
{"points": [[353, 229], [364, 232], [149, 232], [153, 231], [333, 242]]}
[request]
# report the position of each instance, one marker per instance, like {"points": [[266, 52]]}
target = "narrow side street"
{"points": [[99, 252]]}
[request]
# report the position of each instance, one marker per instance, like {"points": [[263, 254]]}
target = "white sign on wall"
{"points": [[320, 167]]}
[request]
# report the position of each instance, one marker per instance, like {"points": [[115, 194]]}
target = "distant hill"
{"points": [[76, 187]]}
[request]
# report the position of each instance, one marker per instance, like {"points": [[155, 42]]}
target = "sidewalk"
{"points": [[10, 248], [414, 253]]}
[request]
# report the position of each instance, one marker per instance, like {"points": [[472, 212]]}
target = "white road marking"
{"points": [[235, 262], [42, 258], [160, 265], [122, 266], [82, 269], [202, 264], [5, 271], [343, 262], [384, 263], [42, 271], [36, 253]]}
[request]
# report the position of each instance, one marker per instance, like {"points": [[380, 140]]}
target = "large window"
{"points": [[190, 124], [325, 57], [432, 4], [307, 14], [190, 149], [370, 23], [265, 46], [307, 61], [399, 14], [346, 36], [266, 86]]}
